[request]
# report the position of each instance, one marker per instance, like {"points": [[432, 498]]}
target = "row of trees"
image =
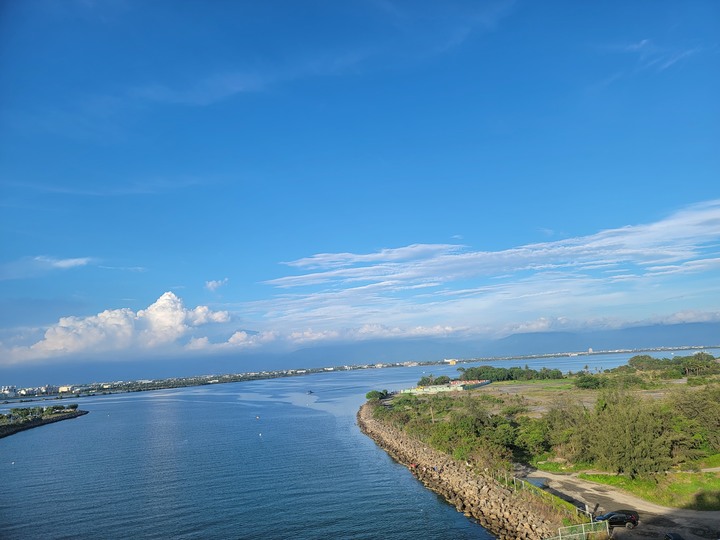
{"points": [[492, 373], [430, 380], [25, 414], [508, 374], [644, 371], [697, 364]]}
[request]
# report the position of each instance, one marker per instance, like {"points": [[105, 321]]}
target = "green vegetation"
{"points": [[491, 373], [429, 380], [20, 419], [21, 415], [376, 395], [708, 462], [697, 491], [628, 434], [508, 374], [681, 366], [644, 371], [610, 423]]}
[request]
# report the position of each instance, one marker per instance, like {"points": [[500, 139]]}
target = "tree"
{"points": [[532, 435], [636, 437], [427, 380], [20, 412], [373, 395], [703, 408]]}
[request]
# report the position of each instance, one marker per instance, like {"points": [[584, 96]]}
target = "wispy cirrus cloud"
{"points": [[63, 263], [41, 264], [680, 237], [210, 89], [649, 55], [337, 260], [645, 56], [419, 283], [150, 186], [435, 28], [652, 56], [30, 267]]}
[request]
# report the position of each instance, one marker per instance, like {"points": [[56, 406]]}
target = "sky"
{"points": [[189, 178]]}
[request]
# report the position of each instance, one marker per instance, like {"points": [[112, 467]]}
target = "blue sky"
{"points": [[187, 178]]}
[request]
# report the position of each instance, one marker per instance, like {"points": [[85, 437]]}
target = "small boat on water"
{"points": [[310, 392]]}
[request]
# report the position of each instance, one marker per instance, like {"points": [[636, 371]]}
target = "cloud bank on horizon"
{"points": [[432, 290]]}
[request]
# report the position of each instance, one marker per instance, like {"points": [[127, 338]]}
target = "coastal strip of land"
{"points": [[12, 394], [11, 429], [508, 514]]}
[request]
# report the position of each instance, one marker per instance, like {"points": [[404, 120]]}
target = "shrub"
{"points": [[589, 382]]}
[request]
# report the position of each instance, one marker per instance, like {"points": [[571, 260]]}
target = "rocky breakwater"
{"points": [[508, 514]]}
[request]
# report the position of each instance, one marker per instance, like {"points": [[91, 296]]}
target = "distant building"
{"points": [[8, 391], [454, 386]]}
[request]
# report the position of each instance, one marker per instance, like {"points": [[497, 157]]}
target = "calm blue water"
{"points": [[260, 459]]}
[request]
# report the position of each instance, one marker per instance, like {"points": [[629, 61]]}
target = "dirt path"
{"points": [[655, 520]]}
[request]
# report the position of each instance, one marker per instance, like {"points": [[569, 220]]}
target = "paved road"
{"points": [[655, 520]]}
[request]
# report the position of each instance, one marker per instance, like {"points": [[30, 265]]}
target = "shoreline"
{"points": [[507, 514], [6, 431], [165, 383]]}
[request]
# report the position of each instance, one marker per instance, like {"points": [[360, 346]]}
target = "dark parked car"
{"points": [[620, 518], [632, 513]]}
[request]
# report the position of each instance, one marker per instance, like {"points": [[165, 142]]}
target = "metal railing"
{"points": [[518, 484], [584, 531]]}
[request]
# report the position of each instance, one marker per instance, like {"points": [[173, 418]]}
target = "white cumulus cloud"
{"points": [[214, 285], [239, 340], [164, 323]]}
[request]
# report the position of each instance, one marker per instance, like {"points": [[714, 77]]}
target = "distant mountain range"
{"points": [[370, 352], [638, 337], [533, 343]]}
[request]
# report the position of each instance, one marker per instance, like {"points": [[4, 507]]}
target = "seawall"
{"points": [[507, 514]]}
